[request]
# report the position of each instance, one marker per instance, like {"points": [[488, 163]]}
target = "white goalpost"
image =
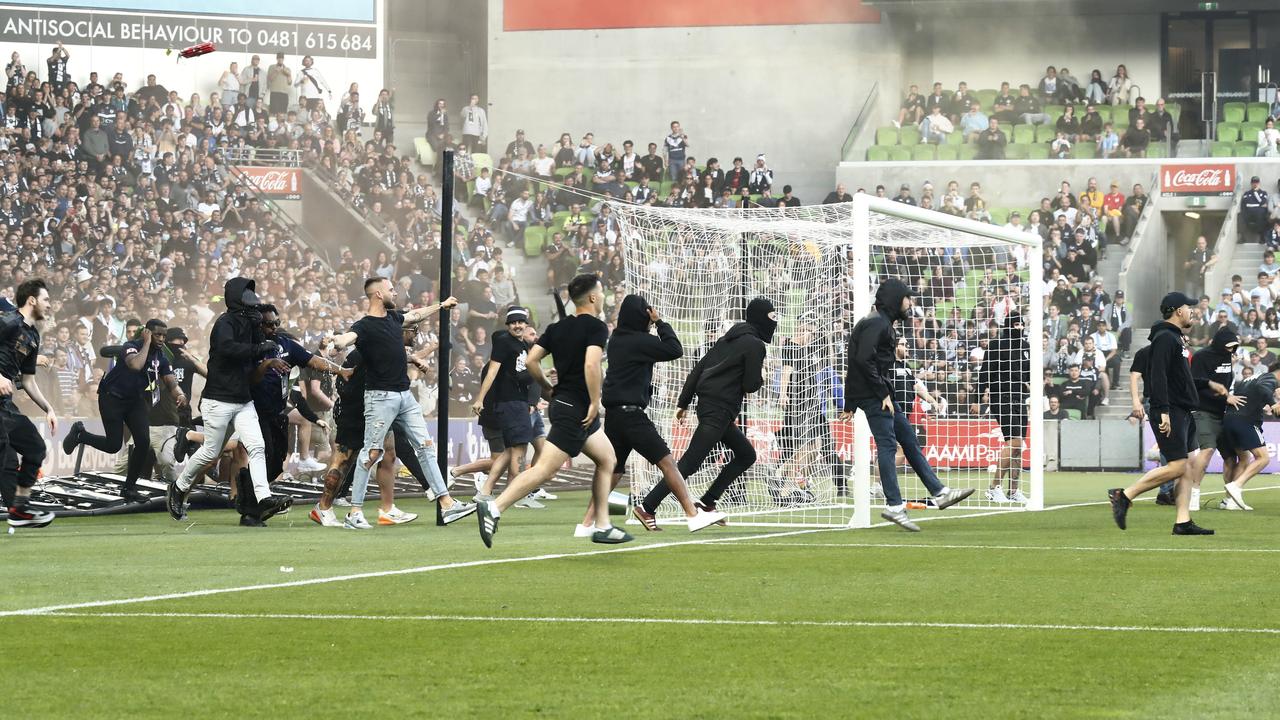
{"points": [[820, 265]]}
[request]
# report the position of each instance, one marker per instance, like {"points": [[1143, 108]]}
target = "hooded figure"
{"points": [[1213, 364], [1006, 367], [1169, 371], [734, 366], [235, 343], [632, 353], [871, 347]]}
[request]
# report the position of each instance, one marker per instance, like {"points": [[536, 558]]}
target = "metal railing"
{"points": [[278, 216], [373, 219], [272, 157], [860, 122]]}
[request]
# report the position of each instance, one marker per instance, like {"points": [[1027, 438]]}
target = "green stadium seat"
{"points": [[909, 135], [1246, 149], [1258, 112], [1249, 132], [956, 138], [557, 219], [949, 152], [664, 189], [987, 97], [1054, 112], [426, 154], [877, 153], [563, 172], [887, 135], [1075, 414], [1175, 111], [482, 160], [1104, 112], [968, 152], [999, 216], [1233, 112], [1038, 151], [1024, 134], [924, 152], [1016, 152], [534, 238], [1121, 112], [1157, 149], [1222, 149], [1045, 133], [899, 153]]}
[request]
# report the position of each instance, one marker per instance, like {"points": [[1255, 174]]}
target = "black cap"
{"points": [[175, 333], [1175, 300], [517, 314], [1254, 179]]}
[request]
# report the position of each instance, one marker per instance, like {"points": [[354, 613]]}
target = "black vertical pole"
{"points": [[446, 289]]}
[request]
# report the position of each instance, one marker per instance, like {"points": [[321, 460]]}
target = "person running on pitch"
{"points": [[126, 395], [805, 437], [379, 336], [1242, 438], [1213, 375], [868, 388], [169, 421], [628, 387], [1005, 377], [19, 345], [576, 345], [730, 370], [501, 405], [235, 342], [1172, 396]]}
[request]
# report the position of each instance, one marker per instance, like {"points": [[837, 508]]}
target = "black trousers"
{"points": [[715, 425], [117, 414], [275, 439], [24, 439]]}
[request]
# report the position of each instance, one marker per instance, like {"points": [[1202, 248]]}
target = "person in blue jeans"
{"points": [[868, 387], [379, 336]]}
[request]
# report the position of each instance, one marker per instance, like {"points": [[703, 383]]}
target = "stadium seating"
{"points": [[887, 135], [1024, 134], [426, 153], [1228, 132], [1233, 112]]}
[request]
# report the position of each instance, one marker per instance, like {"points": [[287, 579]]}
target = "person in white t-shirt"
{"points": [[518, 218], [1264, 295], [543, 165]]}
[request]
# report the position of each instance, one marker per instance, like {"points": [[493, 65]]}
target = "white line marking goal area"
{"points": [[830, 624]]}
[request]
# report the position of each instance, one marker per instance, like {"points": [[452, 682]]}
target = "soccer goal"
{"points": [[820, 265]]}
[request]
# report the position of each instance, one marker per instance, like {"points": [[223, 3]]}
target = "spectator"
{"points": [[1061, 146], [1132, 211], [58, 75], [787, 199], [1139, 110], [229, 86], [1108, 142], [1254, 211], [652, 164], [312, 87], [936, 99], [936, 127], [973, 122], [1068, 126], [1090, 125], [1056, 411], [1271, 238], [279, 82], [912, 108], [1048, 87], [1069, 87], [1076, 392], [384, 112], [438, 124], [251, 80], [761, 178], [1161, 124], [904, 195], [475, 125], [1268, 140], [1120, 89], [1197, 265], [1027, 107], [1269, 264], [1112, 206], [1136, 139], [961, 101], [1096, 92], [677, 145], [839, 195]]}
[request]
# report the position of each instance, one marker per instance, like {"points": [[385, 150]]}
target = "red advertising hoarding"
{"points": [[1216, 179], [280, 183], [599, 15]]}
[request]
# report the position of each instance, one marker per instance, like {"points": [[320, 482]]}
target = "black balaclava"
{"points": [[760, 315]]}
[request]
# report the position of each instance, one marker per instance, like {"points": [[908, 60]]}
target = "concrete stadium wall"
{"points": [[333, 225], [790, 91]]}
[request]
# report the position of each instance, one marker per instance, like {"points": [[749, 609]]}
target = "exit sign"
{"points": [[1208, 6]]}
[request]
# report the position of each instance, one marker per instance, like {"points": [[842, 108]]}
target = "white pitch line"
{"points": [[1065, 548], [691, 621]]}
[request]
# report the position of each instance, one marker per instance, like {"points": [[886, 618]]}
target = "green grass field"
{"points": [[1055, 614]]}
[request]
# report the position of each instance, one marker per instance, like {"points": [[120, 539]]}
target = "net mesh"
{"points": [[700, 268]]}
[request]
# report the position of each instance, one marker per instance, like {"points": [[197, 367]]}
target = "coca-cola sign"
{"points": [[281, 183], [1197, 179]]}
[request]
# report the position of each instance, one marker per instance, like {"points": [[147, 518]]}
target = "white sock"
{"points": [[897, 508], [943, 491], [605, 529], [493, 509]]}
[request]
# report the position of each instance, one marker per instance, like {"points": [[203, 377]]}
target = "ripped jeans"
{"points": [[384, 410]]}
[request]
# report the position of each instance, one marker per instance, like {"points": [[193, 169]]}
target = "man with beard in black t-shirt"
{"points": [[167, 418], [576, 344]]}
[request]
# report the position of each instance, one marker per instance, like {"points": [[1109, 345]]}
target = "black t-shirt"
{"points": [[380, 341], [511, 352], [125, 382], [19, 343], [271, 392], [904, 386], [567, 342], [165, 410], [805, 362]]}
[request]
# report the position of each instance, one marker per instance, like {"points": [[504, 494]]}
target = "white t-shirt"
{"points": [[544, 166], [519, 211]]}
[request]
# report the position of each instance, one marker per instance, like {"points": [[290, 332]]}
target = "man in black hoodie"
{"points": [[726, 374], [1244, 449], [628, 387], [1173, 395], [1006, 377], [868, 387], [235, 342], [1212, 373]]}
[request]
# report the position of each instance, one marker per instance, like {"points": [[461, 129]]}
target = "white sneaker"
{"points": [[583, 531], [1229, 504], [342, 502], [1236, 494], [325, 518], [395, 516], [1195, 499], [996, 495], [479, 480], [897, 124], [541, 494], [1017, 497], [355, 521], [528, 502], [311, 465], [1105, 401], [704, 519]]}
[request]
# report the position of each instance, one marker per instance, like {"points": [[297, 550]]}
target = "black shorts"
{"points": [[513, 418], [1012, 419], [1239, 435], [567, 432], [491, 428], [1181, 437], [799, 429], [632, 429], [350, 436]]}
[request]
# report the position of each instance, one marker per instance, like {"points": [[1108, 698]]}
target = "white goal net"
{"points": [[820, 265]]}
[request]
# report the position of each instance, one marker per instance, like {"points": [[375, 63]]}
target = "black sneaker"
{"points": [[250, 521], [175, 501], [273, 506], [1165, 499], [244, 493], [28, 518], [130, 495], [181, 445], [1190, 528], [72, 440], [1120, 504], [488, 523]]}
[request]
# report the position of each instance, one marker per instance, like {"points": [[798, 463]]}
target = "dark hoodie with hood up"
{"points": [[632, 353], [734, 366], [1006, 366], [1214, 363], [235, 342], [872, 345], [1169, 373]]}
